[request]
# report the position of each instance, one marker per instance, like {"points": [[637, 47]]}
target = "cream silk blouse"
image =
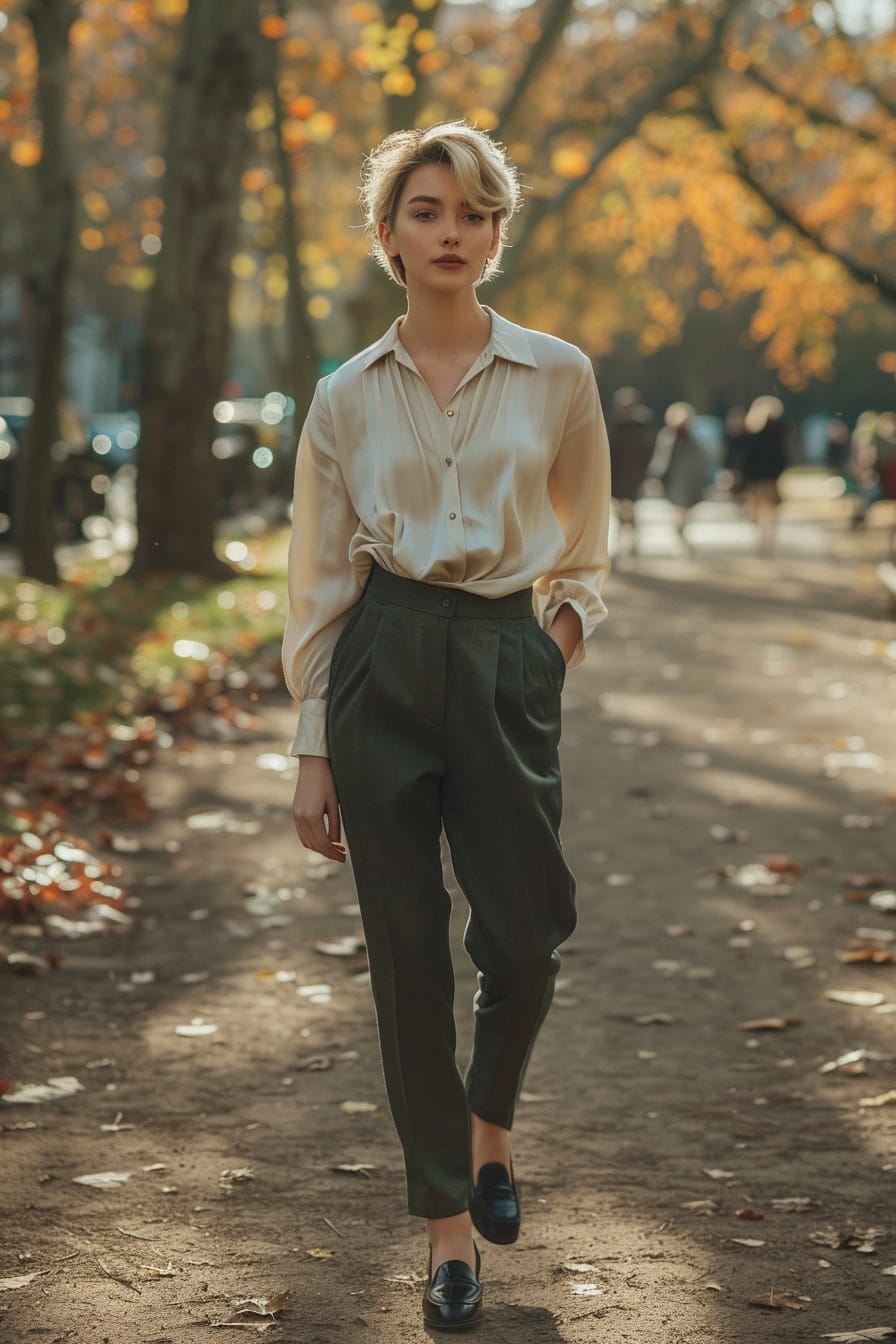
{"points": [[507, 486]]}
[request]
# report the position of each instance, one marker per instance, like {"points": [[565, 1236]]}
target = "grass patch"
{"points": [[92, 651]]}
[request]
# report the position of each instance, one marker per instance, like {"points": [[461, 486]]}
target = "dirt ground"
{"points": [[733, 709]]}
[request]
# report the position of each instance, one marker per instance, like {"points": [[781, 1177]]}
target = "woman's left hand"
{"points": [[566, 630]]}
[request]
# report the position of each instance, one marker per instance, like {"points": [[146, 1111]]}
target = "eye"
{"points": [[478, 219], [424, 214]]}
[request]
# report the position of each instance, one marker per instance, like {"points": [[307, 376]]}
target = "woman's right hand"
{"points": [[315, 808]]}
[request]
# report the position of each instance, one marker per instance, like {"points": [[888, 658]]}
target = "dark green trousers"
{"points": [[444, 711]]}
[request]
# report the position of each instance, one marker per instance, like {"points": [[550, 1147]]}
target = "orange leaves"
{"points": [[272, 26], [302, 107], [570, 161], [399, 81], [25, 153]]}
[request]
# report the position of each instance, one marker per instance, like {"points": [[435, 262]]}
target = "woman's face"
{"points": [[443, 244]]}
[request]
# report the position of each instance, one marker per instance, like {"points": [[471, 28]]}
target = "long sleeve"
{"points": [[579, 490], [322, 583]]}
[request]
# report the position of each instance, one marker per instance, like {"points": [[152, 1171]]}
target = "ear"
{"points": [[496, 236], [384, 233]]}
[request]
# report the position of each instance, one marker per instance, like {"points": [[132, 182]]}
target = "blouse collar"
{"points": [[507, 341]]}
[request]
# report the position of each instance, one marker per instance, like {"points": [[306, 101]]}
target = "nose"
{"points": [[450, 234]]}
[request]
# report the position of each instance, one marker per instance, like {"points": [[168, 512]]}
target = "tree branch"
{"points": [[862, 273], [682, 73], [542, 51], [402, 109], [816, 115]]}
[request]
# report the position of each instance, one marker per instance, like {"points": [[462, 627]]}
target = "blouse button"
{"points": [[449, 412], [448, 461], [452, 516]]}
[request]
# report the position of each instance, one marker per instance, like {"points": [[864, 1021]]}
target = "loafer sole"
{"points": [[437, 1322], [498, 1232]]}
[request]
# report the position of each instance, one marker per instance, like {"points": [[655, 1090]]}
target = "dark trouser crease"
{"points": [[444, 711]]}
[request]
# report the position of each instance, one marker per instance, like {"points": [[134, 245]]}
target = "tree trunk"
{"points": [[302, 353], [46, 285], [187, 334]]}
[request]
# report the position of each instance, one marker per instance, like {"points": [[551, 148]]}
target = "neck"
{"points": [[444, 322]]}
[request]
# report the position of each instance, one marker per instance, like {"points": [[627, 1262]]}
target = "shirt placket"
{"points": [[450, 443]]}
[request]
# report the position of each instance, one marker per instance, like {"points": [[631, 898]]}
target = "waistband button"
{"points": [[446, 601]]}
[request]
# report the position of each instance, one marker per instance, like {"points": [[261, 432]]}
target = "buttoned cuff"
{"points": [[587, 605], [311, 733]]}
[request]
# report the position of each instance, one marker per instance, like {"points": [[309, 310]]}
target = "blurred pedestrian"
{"points": [[836, 446], [449, 543], [631, 448], [863, 465], [764, 459], [681, 465]]}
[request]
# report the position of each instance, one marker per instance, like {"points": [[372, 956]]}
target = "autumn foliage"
{"points": [[765, 177]]}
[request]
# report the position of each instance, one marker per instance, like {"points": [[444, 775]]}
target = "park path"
{"points": [[733, 711]]}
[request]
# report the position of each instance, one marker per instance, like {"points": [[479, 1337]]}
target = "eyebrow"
{"points": [[434, 200]]}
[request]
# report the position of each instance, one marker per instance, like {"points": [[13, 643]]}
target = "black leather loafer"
{"points": [[495, 1204], [453, 1296]]}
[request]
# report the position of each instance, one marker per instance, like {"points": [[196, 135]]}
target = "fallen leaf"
{"points": [[349, 946], [354, 1168], [857, 1336], [257, 1306], [21, 1280], [233, 1174], [718, 1173], [32, 1094], [794, 1204], [315, 1063], [770, 1023], [745, 1241], [654, 1019], [855, 998], [103, 1180], [320, 1253], [702, 1206], [849, 1238], [891, 1269], [782, 863], [883, 1099], [751, 1215], [779, 1298], [867, 951], [196, 1028], [116, 1126], [155, 1272], [358, 1107], [852, 1062], [578, 1267], [586, 1290], [315, 993]]}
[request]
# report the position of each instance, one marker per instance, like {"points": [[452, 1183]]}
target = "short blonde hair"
{"points": [[488, 181]]}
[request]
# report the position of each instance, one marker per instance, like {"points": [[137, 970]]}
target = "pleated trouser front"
{"points": [[444, 711]]}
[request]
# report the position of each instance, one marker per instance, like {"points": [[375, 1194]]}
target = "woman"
{"points": [[763, 462], [680, 463], [452, 480]]}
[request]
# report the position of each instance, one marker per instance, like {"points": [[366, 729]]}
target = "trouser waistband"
{"points": [[440, 600]]}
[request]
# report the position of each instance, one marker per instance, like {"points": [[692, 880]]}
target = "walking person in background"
{"points": [[449, 543], [836, 446], [764, 459], [681, 466], [631, 448]]}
